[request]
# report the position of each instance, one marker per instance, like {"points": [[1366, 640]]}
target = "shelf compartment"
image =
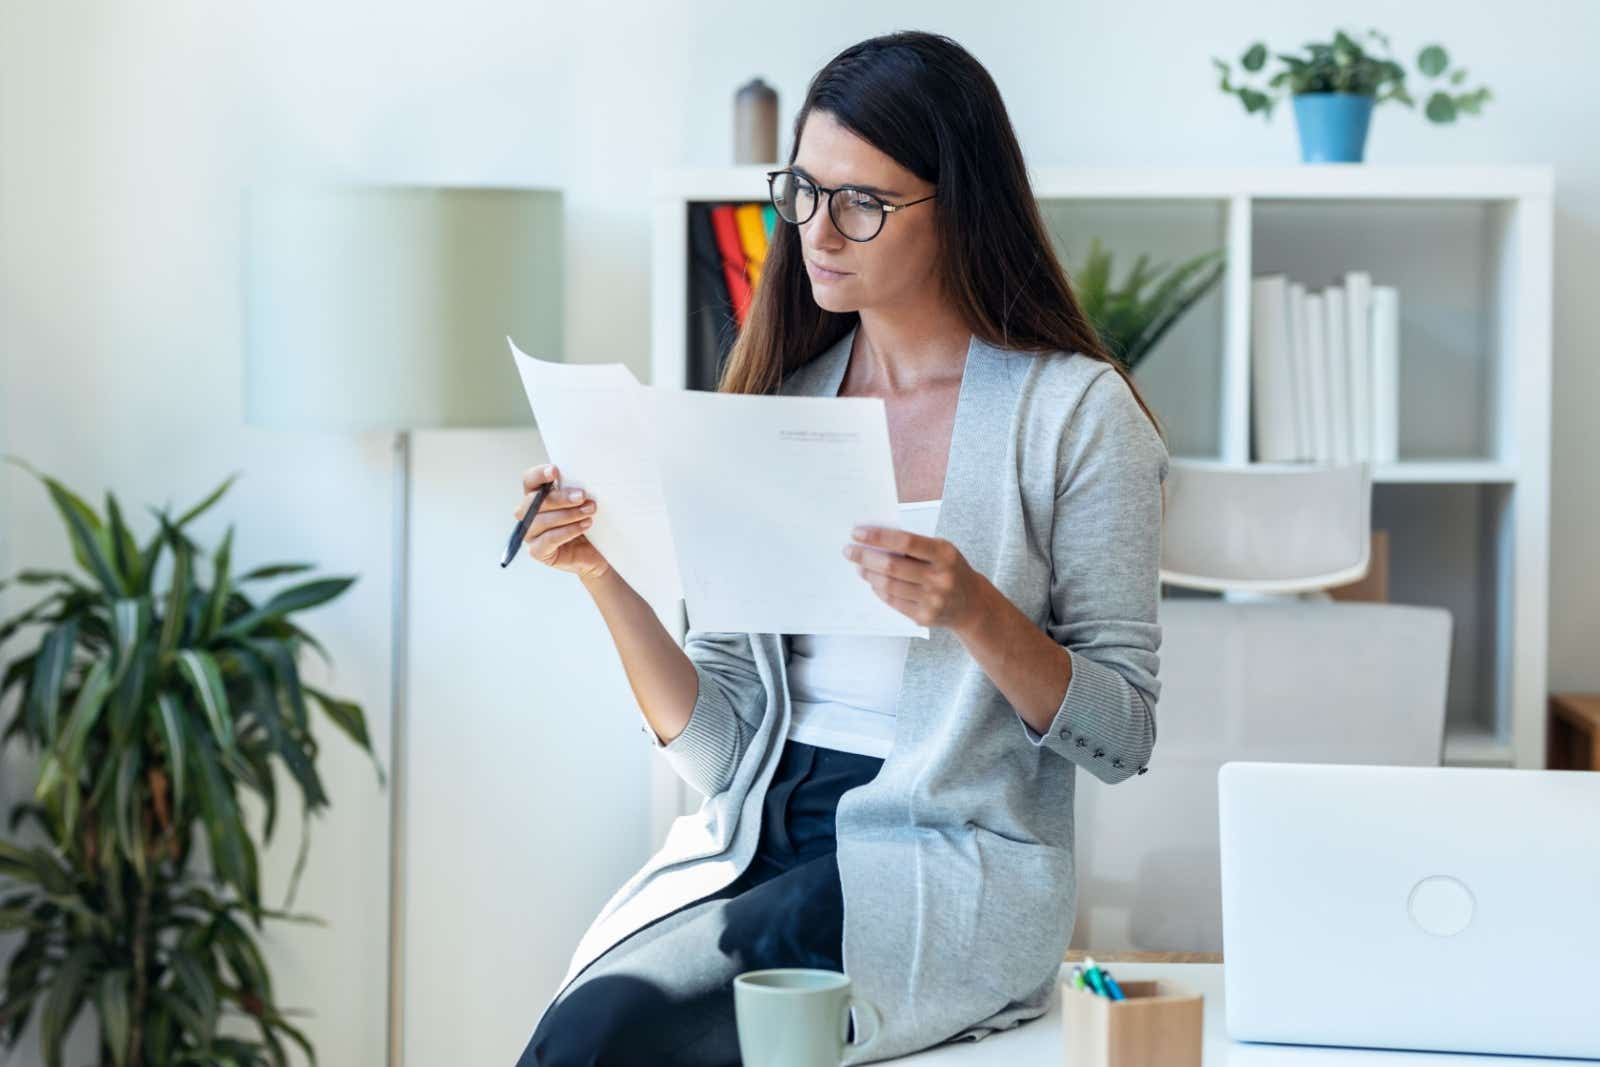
{"points": [[1188, 361]]}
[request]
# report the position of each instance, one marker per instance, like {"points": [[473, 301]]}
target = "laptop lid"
{"points": [[1438, 908]]}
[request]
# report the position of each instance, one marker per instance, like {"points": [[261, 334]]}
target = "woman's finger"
{"points": [[889, 563], [550, 520], [534, 477], [555, 498], [544, 546], [897, 587]]}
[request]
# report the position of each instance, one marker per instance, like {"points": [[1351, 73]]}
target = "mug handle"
{"points": [[867, 1015]]}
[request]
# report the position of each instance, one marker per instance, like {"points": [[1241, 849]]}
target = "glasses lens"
{"points": [[858, 215], [793, 196]]}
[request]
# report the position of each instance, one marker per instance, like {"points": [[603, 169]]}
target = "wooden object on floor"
{"points": [[1076, 955], [1375, 586], [1158, 1024], [1573, 739]]}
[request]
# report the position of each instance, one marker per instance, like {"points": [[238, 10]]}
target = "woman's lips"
{"points": [[824, 274]]}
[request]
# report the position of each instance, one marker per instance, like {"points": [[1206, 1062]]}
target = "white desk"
{"points": [[1038, 1043]]}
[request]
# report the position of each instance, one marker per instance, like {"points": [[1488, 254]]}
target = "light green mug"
{"points": [[798, 1017]]}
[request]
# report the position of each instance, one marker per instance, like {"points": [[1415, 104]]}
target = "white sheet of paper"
{"points": [[763, 492], [740, 504], [596, 421]]}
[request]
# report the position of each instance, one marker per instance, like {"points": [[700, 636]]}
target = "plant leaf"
{"points": [[49, 672], [275, 570], [296, 598], [350, 719], [129, 617], [178, 594], [200, 508], [111, 997], [219, 589], [64, 1001], [201, 670], [168, 716], [124, 549], [129, 806]]}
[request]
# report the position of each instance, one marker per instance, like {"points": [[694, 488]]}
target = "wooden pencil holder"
{"points": [[1159, 1024]]}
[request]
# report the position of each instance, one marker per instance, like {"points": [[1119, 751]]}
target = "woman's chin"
{"points": [[831, 301]]}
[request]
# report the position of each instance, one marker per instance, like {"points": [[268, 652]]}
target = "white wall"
{"points": [[126, 133]]}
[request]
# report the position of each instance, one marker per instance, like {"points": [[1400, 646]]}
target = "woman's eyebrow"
{"points": [[798, 169]]}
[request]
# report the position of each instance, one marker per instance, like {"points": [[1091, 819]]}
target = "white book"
{"points": [[1338, 357], [1358, 339], [1386, 373], [1317, 360], [1305, 432], [1272, 399]]}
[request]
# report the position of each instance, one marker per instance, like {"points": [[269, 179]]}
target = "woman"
{"points": [[899, 809]]}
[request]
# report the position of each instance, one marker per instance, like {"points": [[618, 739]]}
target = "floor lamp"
{"points": [[386, 308]]}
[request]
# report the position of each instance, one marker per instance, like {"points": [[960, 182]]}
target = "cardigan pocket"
{"points": [[1026, 901]]}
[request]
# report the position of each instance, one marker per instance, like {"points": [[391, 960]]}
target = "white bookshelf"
{"points": [[1467, 504]]}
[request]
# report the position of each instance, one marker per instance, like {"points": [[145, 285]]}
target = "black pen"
{"points": [[522, 524]]}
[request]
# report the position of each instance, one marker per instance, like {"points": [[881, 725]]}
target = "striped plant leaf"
{"points": [[111, 998], [201, 670], [49, 673], [297, 598], [200, 508], [177, 599], [169, 721], [124, 549], [219, 590], [64, 1001], [129, 618]]}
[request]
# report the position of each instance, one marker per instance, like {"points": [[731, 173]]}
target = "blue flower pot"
{"points": [[1333, 126]]}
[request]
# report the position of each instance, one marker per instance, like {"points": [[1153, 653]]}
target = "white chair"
{"points": [[1273, 671], [1299, 681], [1265, 528]]}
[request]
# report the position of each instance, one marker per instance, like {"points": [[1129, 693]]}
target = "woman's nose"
{"points": [[820, 232]]}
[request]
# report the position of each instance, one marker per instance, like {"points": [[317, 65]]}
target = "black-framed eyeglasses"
{"points": [[858, 216]]}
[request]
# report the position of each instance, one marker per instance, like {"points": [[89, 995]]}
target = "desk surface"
{"points": [[1038, 1042]]}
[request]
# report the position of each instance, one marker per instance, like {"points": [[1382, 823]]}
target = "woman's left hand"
{"points": [[924, 578]]}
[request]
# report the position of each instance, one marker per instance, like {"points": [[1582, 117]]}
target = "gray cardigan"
{"points": [[956, 861]]}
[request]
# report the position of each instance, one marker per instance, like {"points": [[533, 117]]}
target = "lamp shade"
{"points": [[387, 308]]}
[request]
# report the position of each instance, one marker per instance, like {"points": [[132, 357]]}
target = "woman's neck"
{"points": [[901, 352]]}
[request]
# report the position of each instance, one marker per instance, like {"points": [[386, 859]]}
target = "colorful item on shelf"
{"points": [[712, 329], [734, 270], [752, 238]]}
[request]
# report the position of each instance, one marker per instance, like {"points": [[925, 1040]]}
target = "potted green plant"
{"points": [[151, 710], [1337, 83], [1130, 320]]}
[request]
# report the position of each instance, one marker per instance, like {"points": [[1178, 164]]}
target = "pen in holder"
{"points": [[1156, 1024]]}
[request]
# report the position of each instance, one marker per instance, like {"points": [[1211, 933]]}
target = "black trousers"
{"points": [[664, 994]]}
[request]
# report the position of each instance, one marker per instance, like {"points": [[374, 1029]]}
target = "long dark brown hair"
{"points": [[925, 102]]}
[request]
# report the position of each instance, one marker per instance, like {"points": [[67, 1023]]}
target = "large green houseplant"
{"points": [[151, 710], [1131, 316]]}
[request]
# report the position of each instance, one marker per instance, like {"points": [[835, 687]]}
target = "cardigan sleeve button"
{"points": [[1116, 763], [1081, 742], [1065, 732], [1099, 753], [1143, 769]]}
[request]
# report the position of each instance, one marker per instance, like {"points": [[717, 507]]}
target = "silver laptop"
{"points": [[1439, 908]]}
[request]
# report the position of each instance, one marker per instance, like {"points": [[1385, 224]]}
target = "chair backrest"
{"points": [[1300, 681], [1275, 528]]}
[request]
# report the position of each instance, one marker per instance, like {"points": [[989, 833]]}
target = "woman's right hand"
{"points": [[555, 537]]}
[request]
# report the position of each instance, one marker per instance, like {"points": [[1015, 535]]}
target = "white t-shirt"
{"points": [[843, 687]]}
